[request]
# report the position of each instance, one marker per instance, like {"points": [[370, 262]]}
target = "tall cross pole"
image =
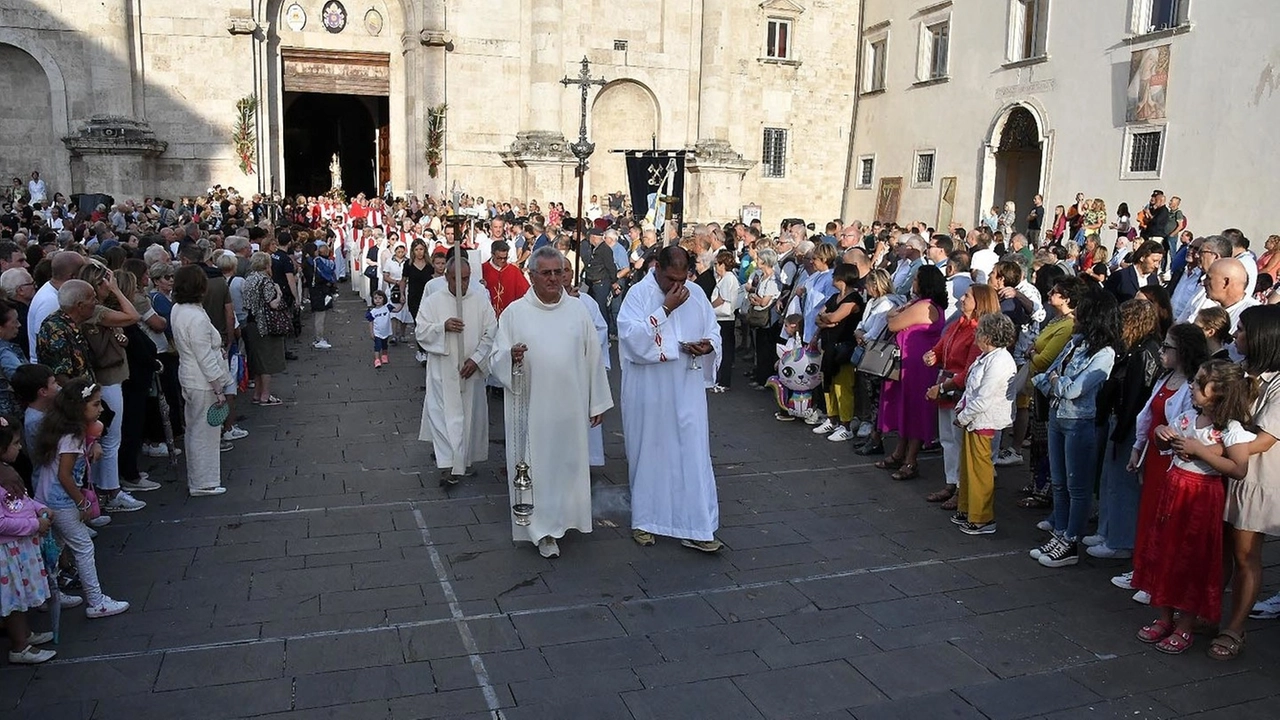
{"points": [[581, 149]]}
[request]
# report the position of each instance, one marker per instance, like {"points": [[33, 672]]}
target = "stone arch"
{"points": [[625, 115], [1016, 172], [48, 123]]}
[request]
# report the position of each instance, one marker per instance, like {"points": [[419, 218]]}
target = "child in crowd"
{"points": [[379, 317], [35, 387], [24, 583], [985, 408], [1181, 566], [791, 337], [62, 458]]}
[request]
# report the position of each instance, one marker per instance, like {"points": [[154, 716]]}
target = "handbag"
{"points": [[758, 317], [274, 321], [106, 346], [882, 359], [91, 495]]}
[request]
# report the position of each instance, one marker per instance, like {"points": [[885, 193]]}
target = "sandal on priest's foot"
{"points": [[643, 538], [706, 546]]}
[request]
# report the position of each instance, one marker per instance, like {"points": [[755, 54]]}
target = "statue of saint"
{"points": [[335, 173]]}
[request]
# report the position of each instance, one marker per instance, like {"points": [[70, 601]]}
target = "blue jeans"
{"points": [[1073, 450], [1118, 495]]}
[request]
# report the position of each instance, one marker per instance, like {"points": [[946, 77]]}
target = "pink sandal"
{"points": [[1176, 644], [1155, 632]]}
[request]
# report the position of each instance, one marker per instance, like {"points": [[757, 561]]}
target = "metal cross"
{"points": [[583, 149]]}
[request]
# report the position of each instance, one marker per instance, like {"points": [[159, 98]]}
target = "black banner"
{"points": [[655, 179]]}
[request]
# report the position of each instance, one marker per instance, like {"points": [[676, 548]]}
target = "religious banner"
{"points": [[655, 179], [1148, 84]]}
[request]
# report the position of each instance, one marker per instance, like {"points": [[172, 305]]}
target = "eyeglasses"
{"points": [[549, 273], [1168, 346]]}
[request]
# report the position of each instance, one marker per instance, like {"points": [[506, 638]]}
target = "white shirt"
{"points": [[981, 263], [1250, 263], [44, 304], [38, 190], [727, 289], [1184, 294]]}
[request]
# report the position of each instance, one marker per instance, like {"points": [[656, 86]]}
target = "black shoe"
{"points": [[290, 355], [870, 448], [960, 519], [983, 529], [1062, 554]]}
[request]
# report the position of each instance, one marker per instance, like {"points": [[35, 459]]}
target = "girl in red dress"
{"points": [[1181, 565], [1184, 349]]}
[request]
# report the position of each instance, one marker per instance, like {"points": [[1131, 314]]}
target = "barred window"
{"points": [[924, 168], [1144, 152], [774, 157], [866, 171]]}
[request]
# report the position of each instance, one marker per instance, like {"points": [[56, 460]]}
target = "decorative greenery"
{"points": [[243, 137], [435, 138]]}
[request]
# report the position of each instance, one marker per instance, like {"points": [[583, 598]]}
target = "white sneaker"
{"points": [[826, 427], [139, 485], [1091, 540], [1106, 553], [321, 345], [123, 502], [1008, 456], [31, 656], [106, 608], [69, 601], [842, 434], [206, 492], [1268, 609], [235, 433], [864, 430], [420, 356], [100, 521], [1142, 597], [43, 638], [813, 417], [1124, 582], [717, 389], [159, 450]]}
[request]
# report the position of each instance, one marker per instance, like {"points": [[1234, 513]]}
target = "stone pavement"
{"points": [[336, 580]]}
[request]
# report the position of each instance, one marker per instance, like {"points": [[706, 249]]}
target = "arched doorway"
{"points": [[27, 141], [318, 125], [1019, 158], [623, 117]]}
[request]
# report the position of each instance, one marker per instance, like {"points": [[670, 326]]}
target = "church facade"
{"points": [[965, 106], [134, 97]]}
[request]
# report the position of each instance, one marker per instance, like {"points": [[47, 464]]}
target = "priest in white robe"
{"points": [[595, 438], [669, 346], [559, 391], [456, 332]]}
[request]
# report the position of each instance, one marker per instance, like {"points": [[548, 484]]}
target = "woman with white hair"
{"points": [[18, 289], [1008, 218]]}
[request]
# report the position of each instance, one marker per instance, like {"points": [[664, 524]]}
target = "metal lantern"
{"points": [[522, 508]]}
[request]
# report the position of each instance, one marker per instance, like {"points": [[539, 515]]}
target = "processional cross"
{"points": [[583, 149]]}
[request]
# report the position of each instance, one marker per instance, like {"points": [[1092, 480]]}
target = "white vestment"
{"points": [[664, 412], [564, 385], [455, 412], [595, 437]]}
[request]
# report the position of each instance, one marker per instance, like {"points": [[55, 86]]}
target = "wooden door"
{"points": [[384, 156]]}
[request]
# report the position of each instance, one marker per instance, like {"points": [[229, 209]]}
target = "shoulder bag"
{"points": [[881, 358], [274, 321], [106, 346]]}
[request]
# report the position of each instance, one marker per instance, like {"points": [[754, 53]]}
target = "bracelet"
{"points": [[84, 504]]}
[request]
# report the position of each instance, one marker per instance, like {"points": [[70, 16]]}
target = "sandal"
{"points": [[1155, 632], [1226, 646], [1027, 490], [1035, 502], [889, 463], [907, 472], [941, 495], [1178, 642], [952, 504], [269, 400]]}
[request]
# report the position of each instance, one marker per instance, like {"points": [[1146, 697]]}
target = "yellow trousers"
{"points": [[976, 496], [840, 396]]}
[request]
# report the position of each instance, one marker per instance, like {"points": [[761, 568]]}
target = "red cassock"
{"points": [[505, 285]]}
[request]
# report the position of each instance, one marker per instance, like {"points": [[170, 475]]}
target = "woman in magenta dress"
{"points": [[904, 407]]}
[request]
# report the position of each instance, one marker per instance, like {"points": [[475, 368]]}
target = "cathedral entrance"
{"points": [[354, 127], [336, 106], [1019, 157]]}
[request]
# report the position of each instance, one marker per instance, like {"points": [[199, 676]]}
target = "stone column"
{"points": [[716, 168], [540, 152], [111, 61], [430, 86]]}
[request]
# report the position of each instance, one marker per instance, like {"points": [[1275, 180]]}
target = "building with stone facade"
{"points": [[132, 97], [965, 105]]}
